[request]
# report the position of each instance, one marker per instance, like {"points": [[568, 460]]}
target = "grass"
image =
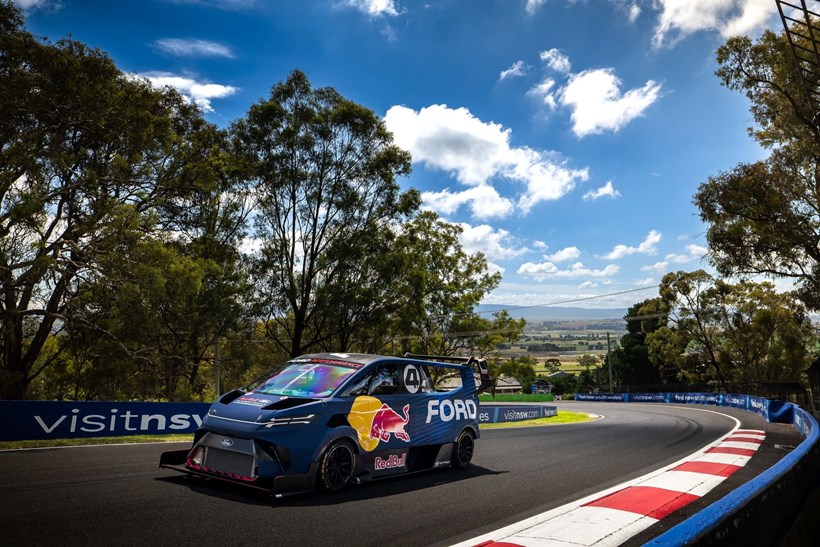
{"points": [[562, 418]]}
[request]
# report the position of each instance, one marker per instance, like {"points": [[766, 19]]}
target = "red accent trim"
{"points": [[204, 469]]}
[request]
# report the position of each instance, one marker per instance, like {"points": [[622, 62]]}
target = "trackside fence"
{"points": [[762, 511]]}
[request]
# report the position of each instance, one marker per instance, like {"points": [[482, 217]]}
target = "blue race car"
{"points": [[331, 419]]}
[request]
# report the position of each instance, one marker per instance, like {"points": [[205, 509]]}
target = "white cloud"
{"points": [[493, 268], [483, 200], [495, 244], [192, 48], [533, 5], [374, 8], [694, 252], [544, 91], [34, 5], [634, 12], [587, 285], [538, 271], [645, 282], [556, 60], [564, 255], [548, 270], [518, 68], [198, 92], [647, 246], [658, 267], [607, 190], [679, 18], [598, 104], [475, 152], [539, 244]]}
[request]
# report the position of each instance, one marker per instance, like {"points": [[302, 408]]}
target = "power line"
{"points": [[571, 301]]}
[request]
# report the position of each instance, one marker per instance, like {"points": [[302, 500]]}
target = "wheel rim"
{"points": [[339, 466], [465, 449]]}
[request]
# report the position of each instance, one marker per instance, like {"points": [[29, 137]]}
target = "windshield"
{"points": [[309, 379]]}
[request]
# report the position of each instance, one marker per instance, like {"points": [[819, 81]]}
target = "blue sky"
{"points": [[566, 137]]}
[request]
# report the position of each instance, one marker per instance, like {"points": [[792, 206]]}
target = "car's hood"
{"points": [[256, 407]]}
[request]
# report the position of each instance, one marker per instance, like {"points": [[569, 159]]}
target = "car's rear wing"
{"points": [[479, 367]]}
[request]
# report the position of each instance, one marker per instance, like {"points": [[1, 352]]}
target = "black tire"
{"points": [[337, 466], [463, 450]]}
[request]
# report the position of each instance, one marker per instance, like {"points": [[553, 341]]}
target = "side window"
{"points": [[359, 387], [392, 378], [385, 381]]}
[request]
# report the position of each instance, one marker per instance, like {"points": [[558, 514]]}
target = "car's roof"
{"points": [[367, 358]]}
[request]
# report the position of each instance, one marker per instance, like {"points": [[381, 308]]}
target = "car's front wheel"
{"points": [[337, 465], [463, 450]]}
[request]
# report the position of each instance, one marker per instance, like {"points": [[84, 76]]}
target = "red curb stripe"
{"points": [[498, 544], [652, 502], [708, 468], [731, 450]]}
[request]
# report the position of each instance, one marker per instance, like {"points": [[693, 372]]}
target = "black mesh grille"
{"points": [[231, 463]]}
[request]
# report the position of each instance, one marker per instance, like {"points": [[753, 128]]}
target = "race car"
{"points": [[332, 419]]}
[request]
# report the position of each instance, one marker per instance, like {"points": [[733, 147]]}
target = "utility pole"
{"points": [[609, 361]]}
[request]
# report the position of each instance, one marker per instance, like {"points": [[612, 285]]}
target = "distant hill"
{"points": [[553, 313]]}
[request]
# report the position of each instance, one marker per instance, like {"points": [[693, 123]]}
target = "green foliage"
{"points": [[441, 287], [520, 368], [86, 163], [764, 217], [324, 169], [123, 215], [739, 333], [631, 364]]}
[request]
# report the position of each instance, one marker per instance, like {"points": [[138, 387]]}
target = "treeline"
{"points": [[141, 246]]}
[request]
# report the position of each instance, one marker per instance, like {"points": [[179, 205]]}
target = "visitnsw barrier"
{"points": [[763, 510], [38, 420]]}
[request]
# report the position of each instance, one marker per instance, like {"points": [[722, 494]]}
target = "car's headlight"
{"points": [[290, 420]]}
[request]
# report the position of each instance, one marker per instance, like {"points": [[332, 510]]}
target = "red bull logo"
{"points": [[375, 422], [387, 421]]}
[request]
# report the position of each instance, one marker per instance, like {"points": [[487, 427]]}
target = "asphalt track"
{"points": [[116, 495]]}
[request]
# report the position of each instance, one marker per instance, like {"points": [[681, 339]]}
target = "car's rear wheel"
{"points": [[337, 466], [463, 450]]}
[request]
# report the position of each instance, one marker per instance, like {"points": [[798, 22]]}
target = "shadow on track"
{"points": [[377, 489]]}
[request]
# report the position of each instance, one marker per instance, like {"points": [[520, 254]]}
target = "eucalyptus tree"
{"points": [[764, 217], [440, 290], [87, 154], [730, 333], [324, 171]]}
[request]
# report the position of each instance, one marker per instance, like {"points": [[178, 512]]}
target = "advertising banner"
{"points": [[647, 397], [34, 420], [605, 397], [39, 420], [491, 414]]}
